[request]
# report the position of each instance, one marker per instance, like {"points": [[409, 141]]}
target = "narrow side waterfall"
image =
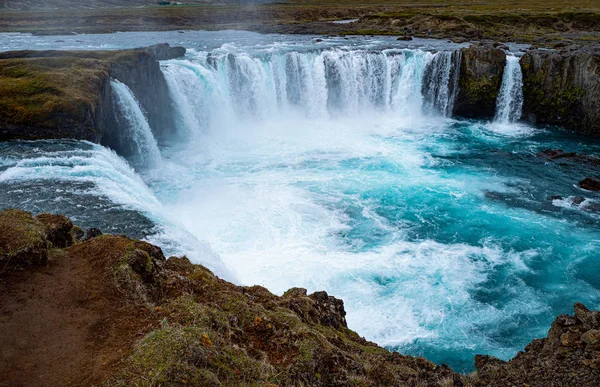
{"points": [[509, 106], [138, 135], [218, 87], [441, 83]]}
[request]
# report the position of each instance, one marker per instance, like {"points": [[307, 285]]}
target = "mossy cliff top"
{"points": [[132, 317], [66, 94]]}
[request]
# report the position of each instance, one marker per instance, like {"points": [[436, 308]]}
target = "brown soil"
{"points": [[61, 324]]}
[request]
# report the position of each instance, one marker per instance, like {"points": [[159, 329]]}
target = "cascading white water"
{"points": [[219, 88], [440, 87], [138, 134], [509, 106]]}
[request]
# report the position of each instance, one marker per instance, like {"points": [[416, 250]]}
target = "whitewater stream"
{"points": [[336, 166]]}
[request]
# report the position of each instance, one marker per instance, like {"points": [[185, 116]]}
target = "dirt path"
{"points": [[61, 326]]}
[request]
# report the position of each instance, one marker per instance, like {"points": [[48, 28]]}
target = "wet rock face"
{"points": [[481, 72], [563, 88]]}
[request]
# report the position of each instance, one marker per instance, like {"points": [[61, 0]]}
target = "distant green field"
{"points": [[543, 21]]}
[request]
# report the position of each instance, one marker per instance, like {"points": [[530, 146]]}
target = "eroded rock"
{"points": [[22, 240], [562, 88], [481, 72]]}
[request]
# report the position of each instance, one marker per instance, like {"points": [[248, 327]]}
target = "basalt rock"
{"points": [[562, 88], [164, 51], [48, 96], [481, 72], [68, 94]]}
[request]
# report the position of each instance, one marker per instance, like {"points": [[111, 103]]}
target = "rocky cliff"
{"points": [[563, 88], [67, 94], [481, 71], [90, 309], [39, 99]]}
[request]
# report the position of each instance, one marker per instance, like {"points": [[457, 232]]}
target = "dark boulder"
{"points": [[481, 72], [590, 184], [58, 229], [562, 88], [556, 154], [328, 310], [164, 51], [92, 233]]}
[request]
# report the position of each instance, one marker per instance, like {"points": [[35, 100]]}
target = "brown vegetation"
{"points": [[112, 311], [542, 22]]}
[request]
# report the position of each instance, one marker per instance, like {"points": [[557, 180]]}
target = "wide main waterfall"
{"points": [[215, 87], [337, 165]]}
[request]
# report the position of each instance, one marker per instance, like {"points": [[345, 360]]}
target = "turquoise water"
{"points": [[330, 169]]}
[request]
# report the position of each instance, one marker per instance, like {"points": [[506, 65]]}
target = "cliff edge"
{"points": [[91, 309], [67, 94]]}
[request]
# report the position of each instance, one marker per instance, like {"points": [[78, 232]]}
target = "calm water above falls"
{"points": [[334, 167]]}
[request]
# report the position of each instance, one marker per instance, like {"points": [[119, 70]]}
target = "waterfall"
{"points": [[138, 136], [509, 106], [216, 88], [441, 83]]}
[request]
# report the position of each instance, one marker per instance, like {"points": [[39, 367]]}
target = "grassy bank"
{"points": [[543, 22]]}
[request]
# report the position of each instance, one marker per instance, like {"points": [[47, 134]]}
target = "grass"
{"points": [[45, 91], [519, 19]]}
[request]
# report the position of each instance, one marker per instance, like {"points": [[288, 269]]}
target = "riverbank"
{"points": [[541, 23], [116, 312]]}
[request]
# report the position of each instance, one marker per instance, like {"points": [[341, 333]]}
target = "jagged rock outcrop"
{"points": [[569, 356], [67, 94], [481, 72], [143, 320], [563, 88], [131, 317]]}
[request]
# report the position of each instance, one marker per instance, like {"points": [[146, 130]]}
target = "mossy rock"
{"points": [[481, 72], [58, 229], [22, 239]]}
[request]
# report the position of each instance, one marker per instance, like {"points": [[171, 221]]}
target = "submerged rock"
{"points": [[590, 184]]}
